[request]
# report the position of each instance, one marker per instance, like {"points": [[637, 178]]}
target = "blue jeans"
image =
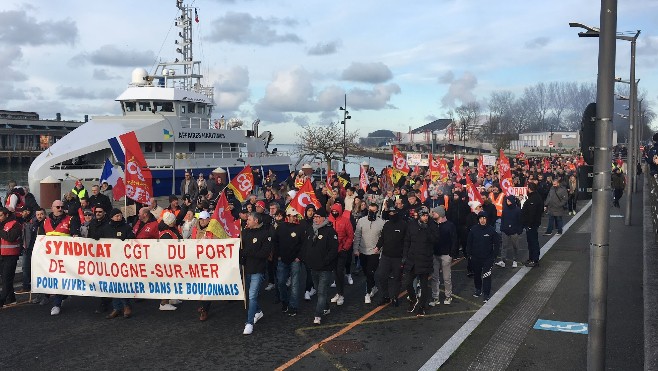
{"points": [[558, 224], [253, 282], [321, 281], [120, 303], [532, 236], [283, 271], [27, 269]]}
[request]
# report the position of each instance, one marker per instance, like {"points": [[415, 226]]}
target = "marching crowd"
{"points": [[402, 236]]}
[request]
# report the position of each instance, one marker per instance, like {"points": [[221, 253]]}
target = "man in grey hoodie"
{"points": [[367, 232]]}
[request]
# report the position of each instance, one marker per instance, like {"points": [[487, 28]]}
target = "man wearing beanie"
{"points": [[483, 246], [168, 231], [445, 249]]}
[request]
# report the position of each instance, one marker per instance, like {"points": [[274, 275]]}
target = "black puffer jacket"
{"points": [[391, 240], [119, 230], [320, 251], [256, 248], [532, 210], [287, 241], [483, 243], [419, 247]]}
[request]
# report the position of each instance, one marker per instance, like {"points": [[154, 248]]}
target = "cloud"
{"points": [[243, 28], [111, 55], [537, 43], [374, 99], [232, 89], [459, 90], [324, 49], [374, 73], [9, 91], [430, 118], [301, 120], [10, 55], [17, 28], [69, 92], [103, 74], [290, 91]]}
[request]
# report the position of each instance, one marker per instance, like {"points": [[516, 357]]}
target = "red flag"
{"points": [[580, 161], [139, 182], [473, 193], [330, 175], [503, 166], [399, 162], [222, 222], [482, 170], [305, 196], [423, 192], [547, 165], [118, 190], [443, 169], [363, 180], [434, 168], [457, 167], [242, 183], [416, 170], [527, 164]]}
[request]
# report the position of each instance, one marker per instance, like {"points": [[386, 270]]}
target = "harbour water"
{"points": [[17, 172]]}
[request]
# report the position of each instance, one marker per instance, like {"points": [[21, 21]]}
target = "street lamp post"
{"points": [[173, 169], [599, 240], [346, 117]]}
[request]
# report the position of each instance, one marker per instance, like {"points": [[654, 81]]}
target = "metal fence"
{"points": [[653, 200]]}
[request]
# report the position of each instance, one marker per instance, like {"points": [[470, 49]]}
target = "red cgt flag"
{"points": [[242, 184], [423, 192], [473, 193], [139, 181], [482, 170], [399, 162], [363, 180], [434, 168], [305, 196], [222, 222]]}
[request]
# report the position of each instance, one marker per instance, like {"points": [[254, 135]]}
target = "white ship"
{"points": [[171, 112]]}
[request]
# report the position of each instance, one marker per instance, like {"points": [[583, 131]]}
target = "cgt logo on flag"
{"points": [[167, 134]]}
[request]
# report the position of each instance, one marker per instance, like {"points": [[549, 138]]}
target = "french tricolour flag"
{"points": [[113, 177]]}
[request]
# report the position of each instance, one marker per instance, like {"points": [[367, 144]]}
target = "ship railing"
{"points": [[199, 155], [204, 123]]}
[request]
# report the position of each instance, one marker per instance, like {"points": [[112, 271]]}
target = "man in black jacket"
{"points": [[256, 248], [98, 230], [99, 199], [287, 241], [418, 257], [483, 246], [445, 249], [320, 252], [117, 228], [531, 218], [10, 234], [390, 245]]}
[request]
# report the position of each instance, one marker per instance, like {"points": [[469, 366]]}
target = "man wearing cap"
{"points": [[79, 189], [117, 228], [256, 248], [445, 250], [320, 251], [366, 235], [418, 259], [189, 186], [343, 227], [201, 231], [390, 244], [287, 242], [483, 246]]}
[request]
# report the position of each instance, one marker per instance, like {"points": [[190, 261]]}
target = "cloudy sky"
{"points": [[290, 63]]}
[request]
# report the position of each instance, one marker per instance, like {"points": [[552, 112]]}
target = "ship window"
{"points": [[158, 147], [201, 108], [164, 106], [144, 106], [130, 106], [148, 147], [182, 108], [192, 147], [190, 108]]}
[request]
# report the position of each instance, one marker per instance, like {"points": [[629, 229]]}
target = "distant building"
{"points": [[559, 139], [377, 138]]}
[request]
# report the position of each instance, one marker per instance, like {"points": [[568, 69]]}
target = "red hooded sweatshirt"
{"points": [[343, 227]]}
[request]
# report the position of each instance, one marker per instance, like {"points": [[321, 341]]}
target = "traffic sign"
{"points": [[550, 144]]}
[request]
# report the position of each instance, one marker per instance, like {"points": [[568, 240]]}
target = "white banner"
{"points": [[150, 269], [419, 159], [520, 191], [489, 160]]}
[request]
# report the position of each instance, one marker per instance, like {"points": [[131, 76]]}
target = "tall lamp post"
{"points": [[346, 117], [600, 236], [173, 169]]}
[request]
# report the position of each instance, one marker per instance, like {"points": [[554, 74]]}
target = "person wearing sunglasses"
{"points": [[58, 223]]}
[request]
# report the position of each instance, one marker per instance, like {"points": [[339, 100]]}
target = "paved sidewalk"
{"points": [[558, 291]]}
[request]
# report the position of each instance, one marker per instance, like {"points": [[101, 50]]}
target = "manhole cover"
{"points": [[342, 346]]}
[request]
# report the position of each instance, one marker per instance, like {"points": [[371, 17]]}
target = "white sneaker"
{"points": [[434, 302], [514, 264], [350, 281], [307, 295], [55, 311], [367, 300], [333, 284], [448, 300], [258, 316], [313, 291], [248, 329], [269, 287], [341, 300], [167, 307], [500, 264], [335, 298], [317, 320], [373, 291], [175, 301]]}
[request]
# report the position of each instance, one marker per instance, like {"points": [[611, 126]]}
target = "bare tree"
{"points": [[326, 142], [467, 116], [558, 101], [501, 105]]}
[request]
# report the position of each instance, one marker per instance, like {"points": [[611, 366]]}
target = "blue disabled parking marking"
{"points": [[572, 327]]}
